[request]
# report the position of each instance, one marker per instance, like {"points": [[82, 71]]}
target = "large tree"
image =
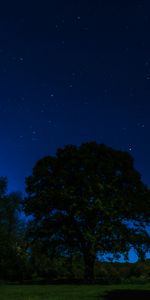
{"points": [[88, 199]]}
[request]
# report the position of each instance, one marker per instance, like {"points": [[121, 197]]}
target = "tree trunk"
{"points": [[89, 261]]}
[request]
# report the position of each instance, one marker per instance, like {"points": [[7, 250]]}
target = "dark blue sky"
{"points": [[73, 71]]}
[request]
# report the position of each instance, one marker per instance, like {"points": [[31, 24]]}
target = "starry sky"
{"points": [[73, 71]]}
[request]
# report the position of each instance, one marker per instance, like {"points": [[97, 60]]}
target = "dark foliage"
{"points": [[12, 245]]}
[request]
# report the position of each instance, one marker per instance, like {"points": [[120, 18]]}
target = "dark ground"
{"points": [[127, 295]]}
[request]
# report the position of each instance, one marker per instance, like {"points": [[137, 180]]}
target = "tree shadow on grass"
{"points": [[127, 295]]}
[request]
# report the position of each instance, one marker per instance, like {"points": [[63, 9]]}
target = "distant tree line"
{"points": [[84, 202]]}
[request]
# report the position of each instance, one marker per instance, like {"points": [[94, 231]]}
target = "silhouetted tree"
{"points": [[12, 251], [87, 199]]}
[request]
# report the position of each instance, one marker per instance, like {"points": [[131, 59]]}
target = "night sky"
{"points": [[73, 71]]}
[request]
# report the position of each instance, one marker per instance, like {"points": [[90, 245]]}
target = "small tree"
{"points": [[11, 234], [86, 200]]}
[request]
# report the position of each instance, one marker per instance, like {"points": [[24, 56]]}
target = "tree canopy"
{"points": [[88, 199]]}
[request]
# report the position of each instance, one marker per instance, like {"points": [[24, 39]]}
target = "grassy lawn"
{"points": [[74, 292]]}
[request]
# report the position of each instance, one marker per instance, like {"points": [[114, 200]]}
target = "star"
{"points": [[34, 132], [141, 125], [130, 147], [20, 59], [147, 63], [148, 77]]}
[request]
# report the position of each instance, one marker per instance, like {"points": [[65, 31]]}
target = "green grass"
{"points": [[62, 292]]}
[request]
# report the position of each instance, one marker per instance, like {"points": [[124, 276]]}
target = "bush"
{"points": [[109, 273]]}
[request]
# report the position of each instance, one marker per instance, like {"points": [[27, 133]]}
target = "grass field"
{"points": [[74, 292]]}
